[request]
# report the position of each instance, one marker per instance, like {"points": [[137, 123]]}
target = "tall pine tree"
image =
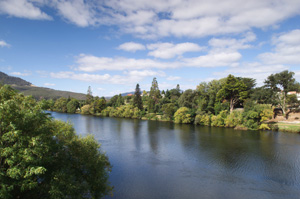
{"points": [[154, 96], [137, 99], [89, 96]]}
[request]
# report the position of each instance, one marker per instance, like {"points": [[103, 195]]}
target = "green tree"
{"points": [[203, 97], [263, 95], [98, 105], [154, 96], [281, 82], [120, 101], [61, 105], [188, 99], [116, 101], [233, 90], [292, 100], [89, 96], [72, 106], [174, 94], [44, 158], [137, 99], [169, 110]]}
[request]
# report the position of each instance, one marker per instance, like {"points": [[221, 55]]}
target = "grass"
{"points": [[293, 128]]}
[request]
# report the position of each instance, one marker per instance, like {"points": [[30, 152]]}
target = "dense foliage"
{"points": [[228, 102], [44, 158]]}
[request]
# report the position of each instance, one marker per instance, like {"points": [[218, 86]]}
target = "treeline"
{"points": [[229, 102]]}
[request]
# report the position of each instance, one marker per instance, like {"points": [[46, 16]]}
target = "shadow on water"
{"points": [[154, 159]]}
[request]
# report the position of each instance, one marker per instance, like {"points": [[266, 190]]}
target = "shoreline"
{"points": [[282, 126]]}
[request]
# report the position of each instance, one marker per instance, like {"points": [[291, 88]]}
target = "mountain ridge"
{"points": [[37, 92]]}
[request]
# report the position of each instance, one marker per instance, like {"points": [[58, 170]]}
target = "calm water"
{"points": [[164, 160]]}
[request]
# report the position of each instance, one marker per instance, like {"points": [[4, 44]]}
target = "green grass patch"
{"points": [[286, 127]]}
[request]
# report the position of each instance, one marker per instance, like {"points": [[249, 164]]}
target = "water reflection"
{"points": [[164, 160]]}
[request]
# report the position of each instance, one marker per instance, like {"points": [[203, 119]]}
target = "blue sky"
{"points": [[112, 45]]}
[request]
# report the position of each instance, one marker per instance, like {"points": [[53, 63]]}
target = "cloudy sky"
{"points": [[111, 45]]}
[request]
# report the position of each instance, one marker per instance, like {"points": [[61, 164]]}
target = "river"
{"points": [[162, 160]]}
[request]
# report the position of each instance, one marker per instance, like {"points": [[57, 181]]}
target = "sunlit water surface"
{"points": [[164, 160]]}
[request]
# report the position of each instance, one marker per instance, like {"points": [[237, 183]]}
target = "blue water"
{"points": [[164, 160]]}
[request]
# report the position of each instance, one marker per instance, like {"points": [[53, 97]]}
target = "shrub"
{"points": [[203, 119], [234, 119], [105, 112], [255, 114], [85, 109], [219, 120], [183, 115], [44, 158]]}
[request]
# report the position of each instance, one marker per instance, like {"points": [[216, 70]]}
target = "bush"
{"points": [[234, 119], [219, 120], [255, 114], [137, 113], [203, 119], [105, 112], [183, 115], [264, 127], [44, 158], [85, 109], [128, 111]]}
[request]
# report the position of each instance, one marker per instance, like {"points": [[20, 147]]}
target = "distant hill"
{"points": [[6, 79], [47, 93], [27, 88]]}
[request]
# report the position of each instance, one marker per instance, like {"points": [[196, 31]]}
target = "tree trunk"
{"points": [[231, 105]]}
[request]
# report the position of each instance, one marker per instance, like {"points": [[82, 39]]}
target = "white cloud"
{"points": [[90, 63], [4, 44], [213, 59], [23, 9], [131, 46], [156, 18], [49, 84], [232, 44], [286, 51], [21, 74], [128, 77], [78, 12], [198, 18], [170, 50], [254, 70], [173, 78], [81, 77], [145, 73]]}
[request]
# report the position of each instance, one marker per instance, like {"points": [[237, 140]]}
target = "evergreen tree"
{"points": [[233, 90], [89, 96], [153, 96], [137, 100], [120, 101]]}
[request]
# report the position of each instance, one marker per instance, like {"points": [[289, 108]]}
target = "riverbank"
{"points": [[291, 125]]}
